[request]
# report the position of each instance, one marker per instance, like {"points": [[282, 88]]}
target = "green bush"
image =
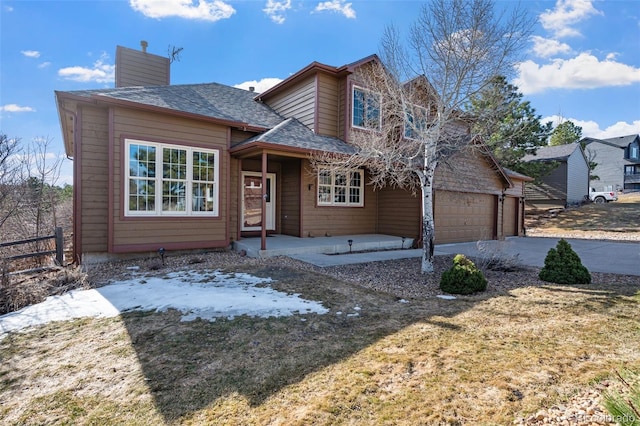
{"points": [[463, 277], [563, 266]]}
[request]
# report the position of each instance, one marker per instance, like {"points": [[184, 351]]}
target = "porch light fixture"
{"points": [[350, 244]]}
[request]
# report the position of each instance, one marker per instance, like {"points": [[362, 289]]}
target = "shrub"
{"points": [[495, 256], [563, 266], [463, 277]]}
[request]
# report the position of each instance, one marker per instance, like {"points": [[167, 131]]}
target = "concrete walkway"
{"points": [[597, 256]]}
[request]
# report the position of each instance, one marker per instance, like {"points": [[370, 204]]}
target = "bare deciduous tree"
{"points": [[11, 177], [414, 112], [44, 171]]}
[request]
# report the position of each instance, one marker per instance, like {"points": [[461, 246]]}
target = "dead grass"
{"points": [[481, 359], [620, 216]]}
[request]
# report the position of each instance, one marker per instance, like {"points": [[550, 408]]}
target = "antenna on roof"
{"points": [[174, 53]]}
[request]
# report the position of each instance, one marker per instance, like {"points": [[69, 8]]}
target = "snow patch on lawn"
{"points": [[197, 294]]}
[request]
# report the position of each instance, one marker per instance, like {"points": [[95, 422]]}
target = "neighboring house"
{"points": [[567, 184], [618, 162], [190, 166]]}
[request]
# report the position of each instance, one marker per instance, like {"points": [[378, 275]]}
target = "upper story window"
{"points": [[170, 180], [366, 109], [415, 121], [634, 151], [341, 188]]}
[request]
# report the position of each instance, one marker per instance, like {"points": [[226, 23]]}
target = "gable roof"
{"points": [[312, 69], [292, 134], [515, 175], [552, 153], [620, 141]]}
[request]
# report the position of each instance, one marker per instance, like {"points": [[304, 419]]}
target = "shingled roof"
{"points": [[291, 133], [552, 153], [620, 141], [212, 100]]}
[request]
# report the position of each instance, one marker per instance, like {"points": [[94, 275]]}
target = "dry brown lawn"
{"points": [[477, 360], [622, 216]]}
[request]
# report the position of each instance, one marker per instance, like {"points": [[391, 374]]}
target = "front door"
{"points": [[252, 201]]}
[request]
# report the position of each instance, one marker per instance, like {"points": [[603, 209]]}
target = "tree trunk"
{"points": [[428, 225]]}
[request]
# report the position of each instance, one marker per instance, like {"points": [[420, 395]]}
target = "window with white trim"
{"points": [[366, 109], [341, 188], [170, 180]]}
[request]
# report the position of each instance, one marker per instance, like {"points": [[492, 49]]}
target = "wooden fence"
{"points": [[59, 250]]}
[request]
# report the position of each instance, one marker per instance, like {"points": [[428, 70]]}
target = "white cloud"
{"points": [[30, 53], [585, 71], [16, 108], [591, 129], [44, 65], [100, 73], [337, 6], [276, 9], [188, 9], [546, 47], [566, 14], [259, 86]]}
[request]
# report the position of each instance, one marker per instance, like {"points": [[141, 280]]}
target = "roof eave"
{"points": [[246, 149], [154, 108]]}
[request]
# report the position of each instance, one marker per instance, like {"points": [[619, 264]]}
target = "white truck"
{"points": [[602, 197]]}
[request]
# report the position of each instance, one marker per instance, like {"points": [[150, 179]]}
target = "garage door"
{"points": [[461, 216], [510, 216]]}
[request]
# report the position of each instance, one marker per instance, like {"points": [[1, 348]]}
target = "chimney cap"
{"points": [[144, 45], [252, 89]]}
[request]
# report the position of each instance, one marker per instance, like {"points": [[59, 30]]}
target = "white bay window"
{"points": [[170, 180]]}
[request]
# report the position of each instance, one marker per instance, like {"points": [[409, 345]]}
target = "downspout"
{"points": [[77, 186]]}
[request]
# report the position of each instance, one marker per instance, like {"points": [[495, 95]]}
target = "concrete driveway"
{"points": [[597, 256]]}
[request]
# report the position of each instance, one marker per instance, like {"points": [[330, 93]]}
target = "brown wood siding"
{"points": [[510, 216], [290, 199], [297, 102], [343, 108], [137, 68], [468, 171], [461, 216], [328, 99], [517, 190], [398, 213], [322, 220], [238, 136], [95, 179], [170, 232]]}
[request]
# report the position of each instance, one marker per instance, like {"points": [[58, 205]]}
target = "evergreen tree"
{"points": [[565, 133], [509, 126]]}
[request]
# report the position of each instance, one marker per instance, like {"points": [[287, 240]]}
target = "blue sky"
{"points": [[582, 63]]}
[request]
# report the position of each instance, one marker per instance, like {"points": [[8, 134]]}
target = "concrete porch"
{"points": [[285, 245]]}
